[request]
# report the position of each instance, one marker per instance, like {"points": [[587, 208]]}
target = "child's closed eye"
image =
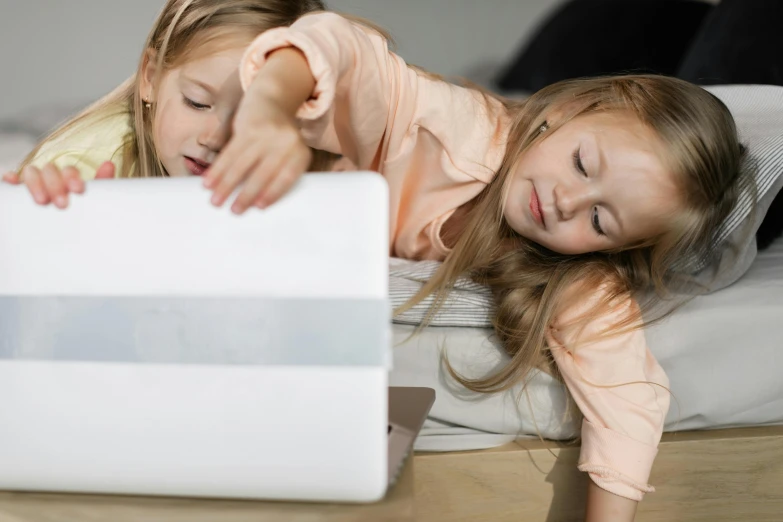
{"points": [[597, 222], [194, 104], [579, 166]]}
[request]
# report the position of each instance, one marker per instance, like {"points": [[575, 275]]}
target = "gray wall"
{"points": [[73, 51]]}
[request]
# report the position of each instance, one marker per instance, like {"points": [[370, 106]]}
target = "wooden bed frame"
{"points": [[730, 474]]}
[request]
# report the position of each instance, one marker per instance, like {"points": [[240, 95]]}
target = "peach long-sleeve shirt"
{"points": [[438, 145]]}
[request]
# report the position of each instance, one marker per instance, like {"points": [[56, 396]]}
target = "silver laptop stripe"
{"points": [[231, 331]]}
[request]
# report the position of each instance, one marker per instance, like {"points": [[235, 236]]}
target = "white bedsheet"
{"points": [[723, 354]]}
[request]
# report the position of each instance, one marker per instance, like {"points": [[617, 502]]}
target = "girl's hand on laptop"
{"points": [[266, 151], [52, 184]]}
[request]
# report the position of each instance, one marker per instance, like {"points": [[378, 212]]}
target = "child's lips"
{"points": [[535, 208], [196, 167]]}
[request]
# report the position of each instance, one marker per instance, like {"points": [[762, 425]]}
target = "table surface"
{"points": [[398, 505]]}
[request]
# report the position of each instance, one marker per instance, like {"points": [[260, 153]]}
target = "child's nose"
{"points": [[570, 201], [215, 134]]}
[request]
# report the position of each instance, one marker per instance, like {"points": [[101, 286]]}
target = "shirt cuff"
{"points": [[438, 247], [256, 55], [616, 462]]}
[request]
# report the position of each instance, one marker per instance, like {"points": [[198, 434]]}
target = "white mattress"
{"points": [[723, 354]]}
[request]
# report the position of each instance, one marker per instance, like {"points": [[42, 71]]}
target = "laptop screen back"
{"points": [[147, 271]]}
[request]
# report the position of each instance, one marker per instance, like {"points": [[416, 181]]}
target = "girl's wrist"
{"points": [[603, 506], [285, 80]]}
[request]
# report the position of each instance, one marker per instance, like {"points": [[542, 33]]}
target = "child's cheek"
{"points": [[173, 123]]}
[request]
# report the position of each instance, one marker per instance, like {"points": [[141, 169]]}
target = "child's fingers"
{"points": [[12, 178], [283, 182], [260, 202], [236, 172], [31, 176], [107, 170], [73, 180], [55, 185], [214, 173], [256, 185]]}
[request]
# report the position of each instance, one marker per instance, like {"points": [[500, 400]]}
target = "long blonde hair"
{"points": [[531, 284], [180, 30]]}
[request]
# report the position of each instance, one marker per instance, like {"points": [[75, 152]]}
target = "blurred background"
{"points": [[58, 55], [72, 51], [76, 50]]}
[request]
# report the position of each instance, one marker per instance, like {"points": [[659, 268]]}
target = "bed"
{"points": [[734, 465], [722, 353], [480, 458]]}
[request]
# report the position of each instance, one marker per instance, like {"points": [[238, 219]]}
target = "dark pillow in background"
{"points": [[771, 227], [741, 42], [597, 37]]}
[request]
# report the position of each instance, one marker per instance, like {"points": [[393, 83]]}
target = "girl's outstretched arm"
{"points": [[620, 389], [267, 150], [370, 107], [603, 506], [328, 80]]}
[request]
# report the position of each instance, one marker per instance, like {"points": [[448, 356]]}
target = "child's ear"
{"points": [[554, 116], [148, 75]]}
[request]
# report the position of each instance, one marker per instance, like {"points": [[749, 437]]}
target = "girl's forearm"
{"points": [[603, 506], [285, 79]]}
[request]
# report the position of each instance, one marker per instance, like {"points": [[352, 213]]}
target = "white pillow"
{"points": [[758, 112]]}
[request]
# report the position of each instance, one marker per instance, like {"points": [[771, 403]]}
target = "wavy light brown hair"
{"points": [[531, 285], [184, 30]]}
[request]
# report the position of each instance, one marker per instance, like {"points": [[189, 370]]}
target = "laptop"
{"points": [[151, 344]]}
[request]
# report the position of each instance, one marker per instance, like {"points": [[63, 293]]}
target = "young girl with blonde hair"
{"points": [[174, 114], [570, 205]]}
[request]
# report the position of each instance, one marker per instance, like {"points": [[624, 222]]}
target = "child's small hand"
{"points": [[266, 152], [52, 185]]}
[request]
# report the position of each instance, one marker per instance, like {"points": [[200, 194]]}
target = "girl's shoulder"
{"points": [[604, 301], [87, 141], [101, 129]]}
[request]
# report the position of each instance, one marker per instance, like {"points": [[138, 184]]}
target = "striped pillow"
{"points": [[758, 112]]}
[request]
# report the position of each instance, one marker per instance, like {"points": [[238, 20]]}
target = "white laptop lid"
{"points": [[156, 345], [166, 239], [147, 268]]}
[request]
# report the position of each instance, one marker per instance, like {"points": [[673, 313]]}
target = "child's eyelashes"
{"points": [[594, 218], [597, 222], [577, 158], [193, 104]]}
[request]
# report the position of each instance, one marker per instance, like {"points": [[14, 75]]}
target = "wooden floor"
{"points": [[707, 476]]}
